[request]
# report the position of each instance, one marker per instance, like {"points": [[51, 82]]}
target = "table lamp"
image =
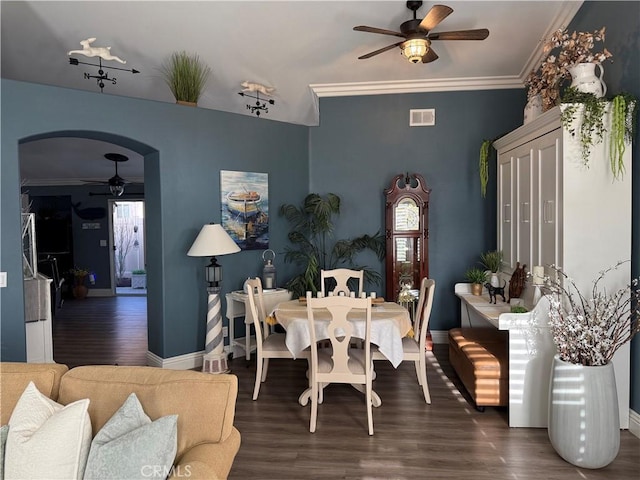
{"points": [[211, 241]]}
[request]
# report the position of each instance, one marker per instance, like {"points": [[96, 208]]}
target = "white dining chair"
{"points": [[339, 363], [268, 344], [341, 276], [414, 348]]}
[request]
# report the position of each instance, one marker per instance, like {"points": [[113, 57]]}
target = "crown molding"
{"points": [[415, 86]]}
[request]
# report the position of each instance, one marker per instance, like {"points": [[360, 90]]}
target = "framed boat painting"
{"points": [[245, 208]]}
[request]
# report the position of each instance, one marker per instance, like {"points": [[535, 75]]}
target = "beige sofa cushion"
{"points": [[197, 398], [14, 378]]}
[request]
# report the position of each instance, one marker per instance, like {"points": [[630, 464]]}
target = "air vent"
{"points": [[422, 118]]}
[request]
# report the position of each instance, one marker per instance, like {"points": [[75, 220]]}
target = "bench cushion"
{"points": [[480, 357]]}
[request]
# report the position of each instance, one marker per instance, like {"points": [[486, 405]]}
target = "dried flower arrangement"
{"points": [[575, 48], [588, 330]]}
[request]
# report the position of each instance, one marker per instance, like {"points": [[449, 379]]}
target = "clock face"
{"points": [[407, 216]]}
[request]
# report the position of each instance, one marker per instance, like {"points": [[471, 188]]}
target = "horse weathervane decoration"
{"points": [[103, 53], [249, 88]]}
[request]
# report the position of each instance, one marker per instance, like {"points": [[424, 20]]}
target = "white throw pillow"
{"points": [[47, 440], [131, 446]]}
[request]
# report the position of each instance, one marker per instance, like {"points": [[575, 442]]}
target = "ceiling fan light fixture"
{"points": [[415, 48], [116, 190]]}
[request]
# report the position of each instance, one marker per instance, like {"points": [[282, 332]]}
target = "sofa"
{"points": [[207, 441]]}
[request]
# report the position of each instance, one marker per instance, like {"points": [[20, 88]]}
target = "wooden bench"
{"points": [[480, 357]]}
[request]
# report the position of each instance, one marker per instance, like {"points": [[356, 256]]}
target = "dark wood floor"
{"points": [[448, 439]]}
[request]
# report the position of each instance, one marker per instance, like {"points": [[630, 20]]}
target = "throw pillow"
{"points": [[47, 440], [131, 446], [4, 430]]}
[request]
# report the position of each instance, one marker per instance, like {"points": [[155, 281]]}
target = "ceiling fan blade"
{"points": [[479, 34], [430, 56], [381, 50], [95, 182], [363, 28], [435, 16]]}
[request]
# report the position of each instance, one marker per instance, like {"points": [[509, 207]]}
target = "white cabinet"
{"points": [[552, 209]]}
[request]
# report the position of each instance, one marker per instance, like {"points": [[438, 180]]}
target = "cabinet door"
{"points": [[524, 213], [505, 211], [548, 159]]}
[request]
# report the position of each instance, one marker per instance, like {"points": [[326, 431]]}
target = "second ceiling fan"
{"points": [[417, 36]]}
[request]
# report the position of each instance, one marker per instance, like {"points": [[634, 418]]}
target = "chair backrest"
{"points": [[253, 289], [339, 332], [423, 310], [341, 277]]}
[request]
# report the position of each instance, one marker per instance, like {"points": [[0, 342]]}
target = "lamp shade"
{"points": [[211, 241], [414, 49]]}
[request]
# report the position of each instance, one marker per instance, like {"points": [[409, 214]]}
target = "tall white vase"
{"points": [[584, 79], [584, 426]]}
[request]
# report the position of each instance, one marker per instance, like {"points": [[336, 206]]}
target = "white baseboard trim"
{"points": [[634, 423], [188, 361]]}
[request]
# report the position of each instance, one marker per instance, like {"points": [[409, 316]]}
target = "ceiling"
{"points": [[303, 49]]}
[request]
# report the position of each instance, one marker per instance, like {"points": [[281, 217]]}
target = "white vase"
{"points": [[584, 426], [533, 108], [584, 79], [495, 280]]}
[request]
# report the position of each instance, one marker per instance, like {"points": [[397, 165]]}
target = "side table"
{"points": [[237, 307]]}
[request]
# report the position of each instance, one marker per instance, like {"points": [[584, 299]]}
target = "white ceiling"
{"points": [[304, 49]]}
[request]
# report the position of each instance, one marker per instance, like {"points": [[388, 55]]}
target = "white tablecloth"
{"points": [[389, 323]]}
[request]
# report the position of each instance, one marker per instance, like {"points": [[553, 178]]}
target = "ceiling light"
{"points": [[414, 49], [116, 190]]}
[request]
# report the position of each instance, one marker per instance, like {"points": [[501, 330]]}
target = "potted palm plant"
{"points": [[477, 277], [313, 249], [492, 261], [186, 76]]}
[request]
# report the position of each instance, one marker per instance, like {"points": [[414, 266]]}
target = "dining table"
{"points": [[390, 322]]}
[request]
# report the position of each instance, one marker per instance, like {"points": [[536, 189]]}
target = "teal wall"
{"points": [[622, 20], [363, 142], [184, 150]]}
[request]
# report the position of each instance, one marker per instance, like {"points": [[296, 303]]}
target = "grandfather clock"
{"points": [[407, 233]]}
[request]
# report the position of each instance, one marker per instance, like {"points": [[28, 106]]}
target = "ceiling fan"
{"points": [[116, 183], [417, 35]]}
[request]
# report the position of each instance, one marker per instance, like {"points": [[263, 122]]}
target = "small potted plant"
{"points": [[139, 279], [186, 76], [492, 261], [477, 277], [80, 289]]}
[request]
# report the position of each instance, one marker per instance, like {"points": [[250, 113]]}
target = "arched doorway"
{"points": [[89, 241]]}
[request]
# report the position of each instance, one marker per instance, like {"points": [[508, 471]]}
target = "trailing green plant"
{"points": [[314, 248], [476, 275], [484, 166], [583, 117], [186, 75], [139, 272], [492, 260], [624, 109], [518, 309]]}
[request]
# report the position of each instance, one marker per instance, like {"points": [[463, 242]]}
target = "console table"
{"points": [[531, 352], [237, 307]]}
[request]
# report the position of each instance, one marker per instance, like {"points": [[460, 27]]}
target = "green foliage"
{"points": [[314, 248], [590, 127], [484, 166], [518, 309], [624, 109], [186, 76], [491, 260], [584, 117], [139, 272], [475, 275]]}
